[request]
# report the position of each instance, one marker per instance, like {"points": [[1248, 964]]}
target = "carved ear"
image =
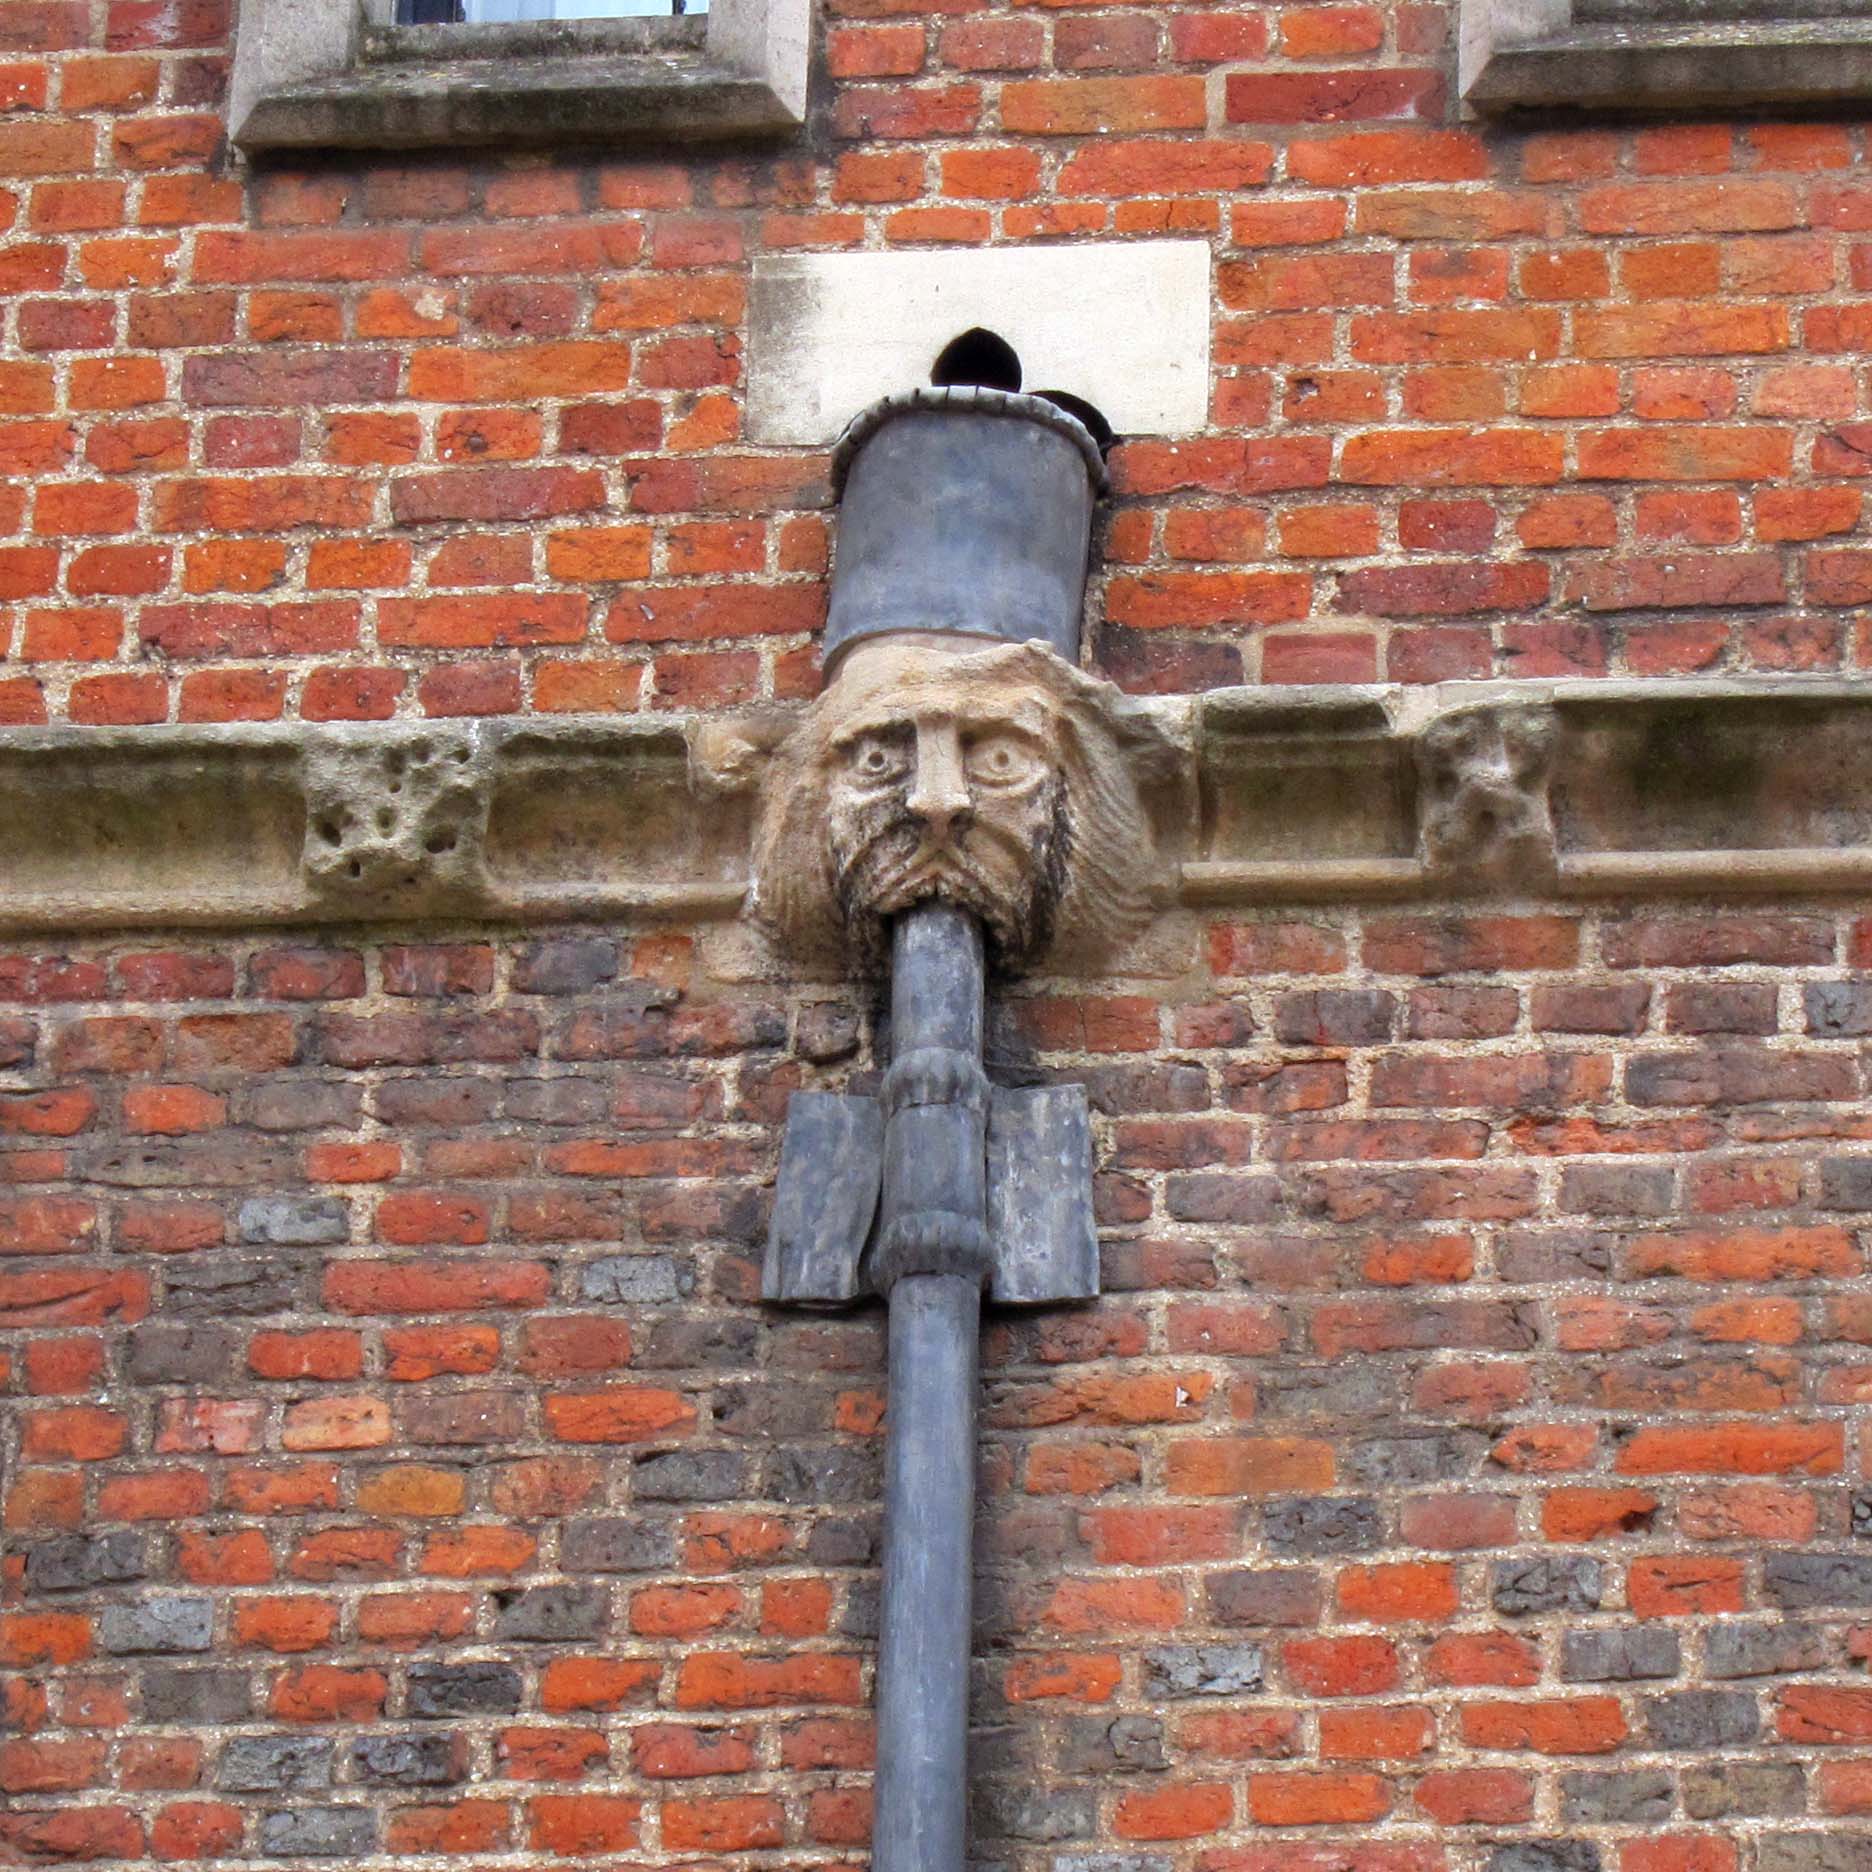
{"points": [[730, 755]]}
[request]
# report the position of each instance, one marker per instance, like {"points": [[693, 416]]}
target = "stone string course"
{"points": [[1465, 1469]]}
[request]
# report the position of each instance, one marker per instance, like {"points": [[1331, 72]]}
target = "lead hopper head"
{"points": [[964, 511]]}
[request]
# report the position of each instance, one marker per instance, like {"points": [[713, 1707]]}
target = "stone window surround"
{"points": [[1726, 55], [335, 74]]}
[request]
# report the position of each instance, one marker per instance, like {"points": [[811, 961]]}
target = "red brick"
{"points": [[1322, 1798], [1583, 1725], [1187, 1811]]}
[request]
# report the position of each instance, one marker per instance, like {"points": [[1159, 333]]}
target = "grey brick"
{"points": [[1546, 1583], [477, 1689], [617, 1544], [1762, 1650], [462, 1418], [318, 1832], [1796, 1580], [1096, 1746], [635, 1280], [1702, 1719], [1637, 1797], [827, 1031], [689, 1476], [1833, 1850], [1322, 1524], [1230, 1201], [1534, 1258], [1623, 1654], [78, 1562], [196, 1697], [1862, 1516], [165, 1353], [1716, 1790], [1546, 1856], [1119, 1091], [274, 1764], [215, 1286], [1203, 1670], [434, 1100], [1839, 1009], [770, 1413], [843, 1541], [555, 1101], [1352, 1391], [541, 1614], [860, 1617], [1846, 1183], [1110, 1862], [301, 1105], [1265, 1596], [565, 965], [833, 1472], [1040, 1815], [1335, 1017], [408, 1760], [1411, 1461], [220, 1160], [1618, 1189], [674, 1344], [293, 1221], [175, 1622]]}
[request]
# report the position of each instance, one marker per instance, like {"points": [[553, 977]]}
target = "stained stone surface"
{"points": [[1749, 787]]}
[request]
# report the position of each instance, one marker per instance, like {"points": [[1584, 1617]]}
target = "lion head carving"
{"points": [[1005, 781]]}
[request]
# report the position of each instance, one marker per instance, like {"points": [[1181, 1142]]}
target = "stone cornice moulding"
{"points": [[334, 74], [267, 825], [1634, 55], [1563, 789]]}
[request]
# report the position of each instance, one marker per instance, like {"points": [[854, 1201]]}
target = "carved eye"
{"points": [[1001, 761], [875, 760]]}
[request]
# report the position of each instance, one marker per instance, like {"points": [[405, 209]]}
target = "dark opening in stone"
{"points": [[978, 356]]}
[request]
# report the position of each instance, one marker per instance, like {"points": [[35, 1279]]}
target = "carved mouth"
{"points": [[987, 871]]}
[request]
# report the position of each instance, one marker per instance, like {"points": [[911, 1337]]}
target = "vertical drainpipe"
{"points": [[965, 521], [935, 1158]]}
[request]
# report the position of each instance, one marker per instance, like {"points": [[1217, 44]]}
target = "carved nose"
{"points": [[940, 798]]}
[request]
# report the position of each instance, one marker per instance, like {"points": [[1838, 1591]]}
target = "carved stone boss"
{"points": [[960, 795]]}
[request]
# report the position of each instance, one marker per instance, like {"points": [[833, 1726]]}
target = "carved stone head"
{"points": [[1005, 781]]}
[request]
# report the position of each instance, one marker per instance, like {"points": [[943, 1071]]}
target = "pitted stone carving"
{"points": [[1483, 774], [403, 819], [1004, 781], [1739, 786]]}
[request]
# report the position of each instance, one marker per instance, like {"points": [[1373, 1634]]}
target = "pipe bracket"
{"points": [[931, 1241], [935, 1076]]}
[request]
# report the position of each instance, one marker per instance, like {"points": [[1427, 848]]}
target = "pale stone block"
{"points": [[1123, 324]]}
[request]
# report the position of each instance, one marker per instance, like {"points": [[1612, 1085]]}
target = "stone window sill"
{"points": [[315, 74], [1519, 56]]}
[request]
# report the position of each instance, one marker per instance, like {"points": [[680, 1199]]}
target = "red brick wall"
{"points": [[1469, 1448], [1467, 1455], [1550, 402]]}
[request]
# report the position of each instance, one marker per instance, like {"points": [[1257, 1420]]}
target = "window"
{"points": [[508, 12], [414, 74], [1663, 54]]}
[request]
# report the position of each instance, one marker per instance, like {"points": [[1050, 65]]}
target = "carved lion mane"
{"points": [[1099, 875]]}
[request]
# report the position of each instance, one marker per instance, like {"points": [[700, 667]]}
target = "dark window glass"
{"points": [[493, 12]]}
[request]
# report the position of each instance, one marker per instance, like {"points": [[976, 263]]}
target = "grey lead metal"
{"points": [[965, 511], [966, 515], [935, 1166], [941, 1186]]}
